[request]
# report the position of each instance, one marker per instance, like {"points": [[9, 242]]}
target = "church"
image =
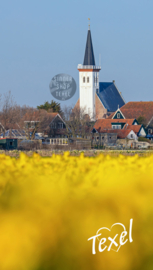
{"points": [[97, 99]]}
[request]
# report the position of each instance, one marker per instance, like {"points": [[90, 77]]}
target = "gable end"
{"points": [[118, 115]]}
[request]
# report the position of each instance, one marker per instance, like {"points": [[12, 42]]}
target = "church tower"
{"points": [[88, 79]]}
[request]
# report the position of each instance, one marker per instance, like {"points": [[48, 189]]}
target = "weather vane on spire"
{"points": [[89, 23]]}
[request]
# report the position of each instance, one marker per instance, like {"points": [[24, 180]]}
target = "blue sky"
{"points": [[40, 39]]}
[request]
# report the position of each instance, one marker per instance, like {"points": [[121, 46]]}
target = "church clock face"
{"points": [[62, 87]]}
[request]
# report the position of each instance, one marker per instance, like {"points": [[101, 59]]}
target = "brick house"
{"points": [[104, 138]]}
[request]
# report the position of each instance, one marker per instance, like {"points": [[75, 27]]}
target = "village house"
{"points": [[141, 111], [44, 124], [118, 125], [106, 124], [116, 136], [106, 131], [38, 123], [50, 128], [103, 139]]}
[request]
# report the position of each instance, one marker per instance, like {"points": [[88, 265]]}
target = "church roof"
{"points": [[110, 96], [89, 58]]}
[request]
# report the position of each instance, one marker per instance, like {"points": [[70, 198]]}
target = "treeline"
{"points": [[14, 116]]}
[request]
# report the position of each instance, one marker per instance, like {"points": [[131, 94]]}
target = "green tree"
{"points": [[53, 106], [141, 120]]}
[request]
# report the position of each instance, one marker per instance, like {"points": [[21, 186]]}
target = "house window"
{"points": [[131, 135], [118, 115], [110, 138], [53, 125], [102, 138], [97, 138], [84, 80], [149, 131], [11, 143], [60, 125], [87, 79], [116, 126]]}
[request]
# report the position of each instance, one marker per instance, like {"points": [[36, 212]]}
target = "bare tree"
{"points": [[37, 121], [9, 113], [78, 122]]}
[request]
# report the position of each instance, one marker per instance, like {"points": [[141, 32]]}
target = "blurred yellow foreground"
{"points": [[49, 207]]}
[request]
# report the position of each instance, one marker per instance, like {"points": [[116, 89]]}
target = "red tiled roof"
{"points": [[128, 113], [121, 133], [43, 117], [135, 128], [102, 124], [37, 115]]}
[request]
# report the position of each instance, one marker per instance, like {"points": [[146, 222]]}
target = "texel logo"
{"points": [[107, 244], [62, 87]]}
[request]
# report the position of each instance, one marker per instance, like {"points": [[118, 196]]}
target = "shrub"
{"points": [[142, 139]]}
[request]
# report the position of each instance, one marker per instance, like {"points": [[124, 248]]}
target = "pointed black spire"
{"points": [[89, 58]]}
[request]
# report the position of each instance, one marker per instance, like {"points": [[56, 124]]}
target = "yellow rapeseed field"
{"points": [[50, 207]]}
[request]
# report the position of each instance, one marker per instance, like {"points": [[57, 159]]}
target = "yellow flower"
{"points": [[49, 207]]}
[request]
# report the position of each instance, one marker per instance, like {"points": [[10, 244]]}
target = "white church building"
{"points": [[97, 99]]}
